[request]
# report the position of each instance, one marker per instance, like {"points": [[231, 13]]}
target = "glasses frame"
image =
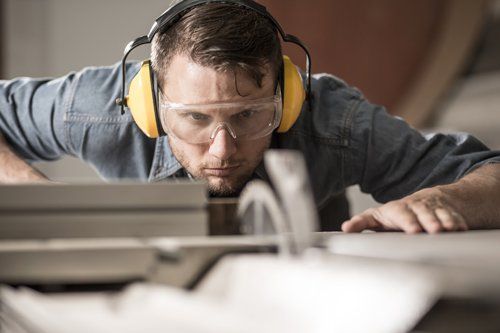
{"points": [[166, 106]]}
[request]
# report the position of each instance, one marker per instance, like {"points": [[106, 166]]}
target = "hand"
{"points": [[426, 210]]}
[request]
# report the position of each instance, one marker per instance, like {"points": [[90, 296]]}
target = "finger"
{"points": [[460, 220], [402, 217], [426, 217], [462, 223], [361, 222], [448, 220]]}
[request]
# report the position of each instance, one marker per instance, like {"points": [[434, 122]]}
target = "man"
{"points": [[211, 65]]}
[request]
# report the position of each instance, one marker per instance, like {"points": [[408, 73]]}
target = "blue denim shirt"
{"points": [[345, 139]]}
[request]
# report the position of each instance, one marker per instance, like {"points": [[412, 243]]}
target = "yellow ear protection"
{"points": [[142, 98]]}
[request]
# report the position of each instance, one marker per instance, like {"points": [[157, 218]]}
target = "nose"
{"points": [[223, 145]]}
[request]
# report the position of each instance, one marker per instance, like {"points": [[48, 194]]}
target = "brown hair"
{"points": [[221, 36]]}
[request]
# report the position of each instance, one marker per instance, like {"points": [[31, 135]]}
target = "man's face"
{"points": [[223, 162]]}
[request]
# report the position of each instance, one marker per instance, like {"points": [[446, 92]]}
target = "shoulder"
{"points": [[334, 104], [97, 130], [328, 83], [332, 93], [95, 91]]}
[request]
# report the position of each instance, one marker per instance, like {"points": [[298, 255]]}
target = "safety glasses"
{"points": [[200, 123]]}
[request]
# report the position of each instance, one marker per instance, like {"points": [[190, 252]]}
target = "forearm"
{"points": [[15, 170], [477, 197]]}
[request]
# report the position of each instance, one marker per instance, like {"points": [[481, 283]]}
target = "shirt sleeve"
{"points": [[32, 116], [390, 159], [99, 134], [44, 119]]}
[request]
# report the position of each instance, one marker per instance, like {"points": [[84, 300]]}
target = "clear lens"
{"points": [[197, 123]]}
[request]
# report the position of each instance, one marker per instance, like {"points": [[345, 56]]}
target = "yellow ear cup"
{"points": [[294, 95], [141, 101]]}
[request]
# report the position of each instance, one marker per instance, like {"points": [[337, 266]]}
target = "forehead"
{"points": [[262, 107], [191, 83]]}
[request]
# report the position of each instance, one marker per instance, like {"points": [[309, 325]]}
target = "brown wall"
{"points": [[376, 45], [380, 46]]}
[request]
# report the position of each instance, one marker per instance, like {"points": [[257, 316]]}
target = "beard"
{"points": [[220, 189], [228, 186]]}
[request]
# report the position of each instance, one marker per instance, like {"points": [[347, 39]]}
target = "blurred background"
{"points": [[435, 63]]}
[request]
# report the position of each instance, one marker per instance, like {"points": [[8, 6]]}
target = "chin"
{"points": [[223, 187]]}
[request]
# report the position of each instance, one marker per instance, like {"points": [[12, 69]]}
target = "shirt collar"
{"points": [[164, 162]]}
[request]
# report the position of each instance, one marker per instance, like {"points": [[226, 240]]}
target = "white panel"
{"points": [[25, 49], [95, 32], [53, 37]]}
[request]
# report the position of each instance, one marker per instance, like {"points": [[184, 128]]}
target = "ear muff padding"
{"points": [[141, 101], [293, 95]]}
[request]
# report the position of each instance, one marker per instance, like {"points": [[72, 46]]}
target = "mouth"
{"points": [[221, 172]]}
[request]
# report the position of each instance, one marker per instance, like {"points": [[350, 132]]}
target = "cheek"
{"points": [[192, 157], [253, 150], [188, 155]]}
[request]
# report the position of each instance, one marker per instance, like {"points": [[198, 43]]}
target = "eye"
{"points": [[246, 114], [197, 116]]}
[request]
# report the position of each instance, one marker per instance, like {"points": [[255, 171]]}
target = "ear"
{"points": [[142, 101], [293, 95]]}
